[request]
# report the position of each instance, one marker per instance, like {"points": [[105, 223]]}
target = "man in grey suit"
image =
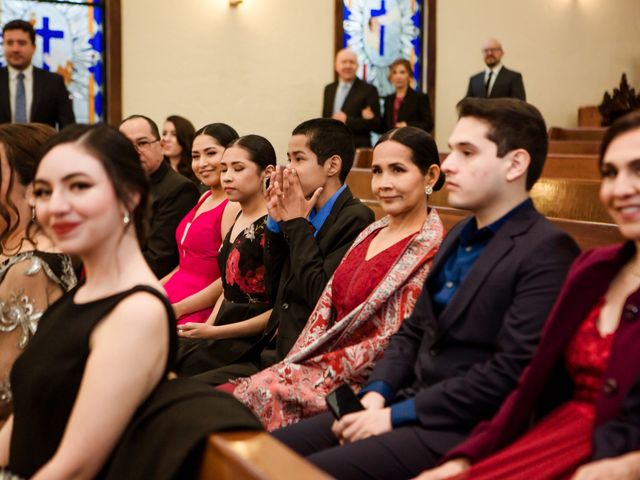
{"points": [[27, 93], [497, 80]]}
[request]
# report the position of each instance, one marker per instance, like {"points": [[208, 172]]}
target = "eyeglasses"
{"points": [[491, 50], [144, 143]]}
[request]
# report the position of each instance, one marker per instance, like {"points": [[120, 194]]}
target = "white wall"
{"points": [[261, 67]]}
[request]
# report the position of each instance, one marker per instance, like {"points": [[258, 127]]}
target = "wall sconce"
{"points": [[235, 3]]}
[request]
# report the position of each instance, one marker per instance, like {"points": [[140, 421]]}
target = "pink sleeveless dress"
{"points": [[198, 242]]}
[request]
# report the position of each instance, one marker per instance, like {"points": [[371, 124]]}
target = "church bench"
{"points": [[594, 134], [577, 147], [253, 455]]}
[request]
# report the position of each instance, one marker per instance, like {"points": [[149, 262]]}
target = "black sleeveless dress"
{"points": [[46, 377]]}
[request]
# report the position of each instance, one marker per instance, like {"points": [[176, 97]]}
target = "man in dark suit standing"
{"points": [[478, 320], [346, 98], [27, 93], [497, 80], [172, 195]]}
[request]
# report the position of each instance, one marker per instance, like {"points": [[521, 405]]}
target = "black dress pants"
{"points": [[400, 453]]}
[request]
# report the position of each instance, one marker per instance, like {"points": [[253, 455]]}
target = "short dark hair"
{"points": [[260, 150], [220, 132], [20, 25], [328, 137], [513, 124], [624, 124], [120, 160], [152, 125], [185, 133], [424, 151], [21, 144]]}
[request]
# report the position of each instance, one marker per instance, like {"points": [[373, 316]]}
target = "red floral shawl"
{"points": [[326, 354]]}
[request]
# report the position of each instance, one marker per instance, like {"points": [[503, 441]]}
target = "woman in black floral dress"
{"points": [[241, 313]]}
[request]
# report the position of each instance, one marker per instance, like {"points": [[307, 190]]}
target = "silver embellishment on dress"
{"points": [[20, 310], [250, 232], [5, 391]]}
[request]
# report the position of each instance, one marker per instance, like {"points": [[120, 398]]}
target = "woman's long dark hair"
{"points": [[21, 145], [185, 133]]}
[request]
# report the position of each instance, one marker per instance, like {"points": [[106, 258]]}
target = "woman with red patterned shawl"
{"points": [[373, 290]]}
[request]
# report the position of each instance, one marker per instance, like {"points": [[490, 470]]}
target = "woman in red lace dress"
{"points": [[373, 289], [579, 400]]}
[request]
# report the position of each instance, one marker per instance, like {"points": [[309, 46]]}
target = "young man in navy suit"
{"points": [[497, 81], [480, 315], [27, 93]]}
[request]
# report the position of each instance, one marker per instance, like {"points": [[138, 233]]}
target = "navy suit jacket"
{"points": [[508, 84], [51, 103], [361, 95], [460, 366], [414, 109], [546, 384]]}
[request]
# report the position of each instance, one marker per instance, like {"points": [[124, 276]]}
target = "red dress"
{"points": [[561, 442]]}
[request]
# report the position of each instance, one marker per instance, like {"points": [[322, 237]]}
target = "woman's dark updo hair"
{"points": [[121, 162], [220, 132], [185, 133], [260, 150], [21, 144], [424, 151], [624, 124]]}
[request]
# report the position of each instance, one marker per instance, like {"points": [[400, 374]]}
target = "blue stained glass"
{"points": [[69, 41]]}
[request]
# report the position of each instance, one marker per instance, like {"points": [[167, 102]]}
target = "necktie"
{"points": [[21, 100], [487, 84], [341, 95]]}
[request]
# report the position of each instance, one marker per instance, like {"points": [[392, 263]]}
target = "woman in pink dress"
{"points": [[201, 231]]}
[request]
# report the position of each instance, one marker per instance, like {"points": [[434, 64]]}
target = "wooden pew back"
{"points": [[593, 134], [253, 456]]}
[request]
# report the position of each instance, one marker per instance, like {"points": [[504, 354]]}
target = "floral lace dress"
{"points": [[29, 282], [241, 263]]}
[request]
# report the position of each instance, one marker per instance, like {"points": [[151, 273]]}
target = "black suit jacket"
{"points": [[460, 366], [51, 103], [172, 197], [415, 110], [360, 95], [508, 84], [299, 265]]}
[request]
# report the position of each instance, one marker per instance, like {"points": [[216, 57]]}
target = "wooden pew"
{"points": [[253, 456], [579, 147], [363, 158], [561, 165], [571, 204], [593, 134]]}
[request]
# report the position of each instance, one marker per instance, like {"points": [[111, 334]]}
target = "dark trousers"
{"points": [[398, 454]]}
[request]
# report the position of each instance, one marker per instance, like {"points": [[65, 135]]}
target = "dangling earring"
{"points": [[428, 190], [126, 218], [265, 184], [33, 213]]}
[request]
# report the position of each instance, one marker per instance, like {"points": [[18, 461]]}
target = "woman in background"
{"points": [[201, 231], [406, 107], [241, 313], [372, 291], [32, 272], [177, 137]]}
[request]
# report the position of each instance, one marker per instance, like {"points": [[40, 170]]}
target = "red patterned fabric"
{"points": [[561, 442], [333, 350]]}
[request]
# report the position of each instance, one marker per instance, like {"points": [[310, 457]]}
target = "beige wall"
{"points": [[568, 51], [261, 67]]}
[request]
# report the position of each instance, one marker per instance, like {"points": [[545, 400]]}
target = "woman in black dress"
{"points": [[241, 313], [102, 348]]}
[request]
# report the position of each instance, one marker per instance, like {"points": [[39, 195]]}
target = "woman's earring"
{"points": [[126, 218], [33, 213], [265, 184], [428, 190]]}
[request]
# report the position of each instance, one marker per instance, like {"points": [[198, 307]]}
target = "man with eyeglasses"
{"points": [[497, 80], [172, 195]]}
